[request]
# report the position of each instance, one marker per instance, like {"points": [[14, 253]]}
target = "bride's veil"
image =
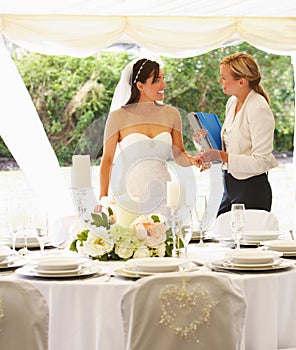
{"points": [[123, 89]]}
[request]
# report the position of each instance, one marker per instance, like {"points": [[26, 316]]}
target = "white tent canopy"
{"points": [[173, 28], [179, 28]]}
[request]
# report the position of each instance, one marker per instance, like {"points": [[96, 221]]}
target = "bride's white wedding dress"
{"points": [[140, 172]]}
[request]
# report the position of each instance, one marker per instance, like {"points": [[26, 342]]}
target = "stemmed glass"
{"points": [[13, 223], [176, 232], [237, 222], [199, 140], [186, 234], [40, 222], [25, 218], [201, 213], [200, 143]]}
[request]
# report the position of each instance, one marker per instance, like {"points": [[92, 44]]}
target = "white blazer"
{"points": [[250, 137]]}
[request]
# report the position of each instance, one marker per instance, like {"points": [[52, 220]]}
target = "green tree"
{"points": [[73, 96]]}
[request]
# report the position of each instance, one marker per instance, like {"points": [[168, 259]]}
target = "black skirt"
{"points": [[255, 192]]}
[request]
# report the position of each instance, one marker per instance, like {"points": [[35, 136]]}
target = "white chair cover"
{"points": [[255, 220], [24, 317], [187, 311]]}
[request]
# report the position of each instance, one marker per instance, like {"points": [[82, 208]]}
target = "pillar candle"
{"points": [[81, 171], [173, 193]]}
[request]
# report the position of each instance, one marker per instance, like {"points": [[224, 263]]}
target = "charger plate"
{"points": [[224, 265], [31, 271]]}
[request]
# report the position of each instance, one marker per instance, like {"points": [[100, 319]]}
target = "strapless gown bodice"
{"points": [[140, 169]]}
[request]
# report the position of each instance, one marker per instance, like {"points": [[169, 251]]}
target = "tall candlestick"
{"points": [[81, 171]]}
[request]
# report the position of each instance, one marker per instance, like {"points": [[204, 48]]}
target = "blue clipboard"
{"points": [[212, 124]]}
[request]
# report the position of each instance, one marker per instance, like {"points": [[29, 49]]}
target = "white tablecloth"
{"points": [[85, 313]]}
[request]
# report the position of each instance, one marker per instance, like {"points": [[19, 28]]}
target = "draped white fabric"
{"points": [[180, 28], [176, 29], [23, 133]]}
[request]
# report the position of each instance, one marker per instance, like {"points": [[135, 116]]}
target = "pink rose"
{"points": [[152, 233]]}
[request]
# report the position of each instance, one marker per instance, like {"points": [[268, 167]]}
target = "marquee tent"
{"points": [[173, 28]]}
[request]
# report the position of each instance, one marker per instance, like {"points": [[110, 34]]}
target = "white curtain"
{"points": [[23, 133], [82, 36]]}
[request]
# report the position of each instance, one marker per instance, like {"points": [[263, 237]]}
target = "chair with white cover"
{"points": [[259, 220], [24, 317], [188, 311]]}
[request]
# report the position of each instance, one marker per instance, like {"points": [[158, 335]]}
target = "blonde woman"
{"points": [[247, 136]]}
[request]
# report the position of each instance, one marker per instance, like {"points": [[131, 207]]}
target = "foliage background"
{"points": [[70, 94]]}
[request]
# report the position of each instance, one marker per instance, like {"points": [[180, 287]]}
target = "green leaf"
{"points": [[100, 220], [155, 218], [110, 211], [73, 246], [82, 236]]}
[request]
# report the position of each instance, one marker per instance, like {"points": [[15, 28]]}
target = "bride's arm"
{"points": [[111, 138], [180, 155]]}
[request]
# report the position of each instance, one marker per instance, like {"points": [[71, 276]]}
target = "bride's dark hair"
{"points": [[142, 70]]}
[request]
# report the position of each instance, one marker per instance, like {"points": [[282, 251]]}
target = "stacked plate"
{"points": [[259, 236], [32, 242], [252, 260], [9, 261], [5, 252], [149, 266], [286, 247], [60, 266]]}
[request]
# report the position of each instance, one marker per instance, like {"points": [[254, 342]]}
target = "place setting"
{"points": [[252, 260], [9, 261], [59, 267], [142, 267], [285, 246]]}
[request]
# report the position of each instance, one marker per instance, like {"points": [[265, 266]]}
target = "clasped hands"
{"points": [[205, 158]]}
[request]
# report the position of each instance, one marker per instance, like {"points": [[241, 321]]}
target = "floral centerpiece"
{"points": [[104, 239]]}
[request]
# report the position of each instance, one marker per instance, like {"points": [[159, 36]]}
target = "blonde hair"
{"points": [[243, 65]]}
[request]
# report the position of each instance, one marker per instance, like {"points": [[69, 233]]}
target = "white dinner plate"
{"points": [[132, 273], [55, 272], [32, 242], [155, 264], [259, 236], [31, 271], [230, 263], [253, 256], [12, 264], [221, 265], [60, 263], [289, 253], [282, 245]]}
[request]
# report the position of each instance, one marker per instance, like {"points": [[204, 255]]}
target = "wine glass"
{"points": [[13, 223], [40, 222], [200, 143], [237, 222], [25, 218], [201, 213], [176, 233], [186, 234]]}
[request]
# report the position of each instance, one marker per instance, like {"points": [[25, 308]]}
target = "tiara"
{"points": [[139, 71]]}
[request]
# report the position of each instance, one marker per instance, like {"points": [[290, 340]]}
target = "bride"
{"points": [[141, 134]]}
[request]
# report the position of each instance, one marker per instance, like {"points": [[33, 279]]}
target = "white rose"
{"points": [[123, 251], [98, 244]]}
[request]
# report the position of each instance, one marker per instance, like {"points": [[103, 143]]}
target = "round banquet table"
{"points": [[85, 313]]}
